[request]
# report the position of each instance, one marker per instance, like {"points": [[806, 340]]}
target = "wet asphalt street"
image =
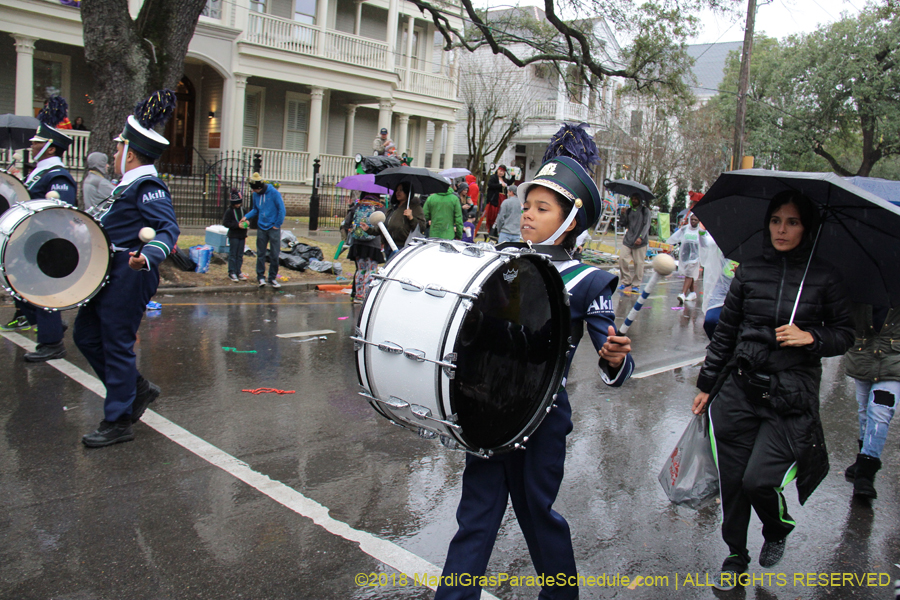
{"points": [[227, 495]]}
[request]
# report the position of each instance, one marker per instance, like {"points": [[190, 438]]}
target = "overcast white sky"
{"points": [[778, 19]]}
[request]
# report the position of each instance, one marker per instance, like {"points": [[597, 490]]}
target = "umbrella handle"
{"points": [[802, 281]]}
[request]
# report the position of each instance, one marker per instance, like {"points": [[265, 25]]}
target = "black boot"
{"points": [[146, 393], [850, 472], [109, 433], [864, 483], [45, 352]]}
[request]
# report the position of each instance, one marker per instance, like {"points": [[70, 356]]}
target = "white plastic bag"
{"points": [[690, 476]]}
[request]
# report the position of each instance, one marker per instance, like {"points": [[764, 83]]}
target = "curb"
{"points": [[226, 289]]}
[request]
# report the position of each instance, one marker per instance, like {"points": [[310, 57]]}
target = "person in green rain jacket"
{"points": [[444, 214]]}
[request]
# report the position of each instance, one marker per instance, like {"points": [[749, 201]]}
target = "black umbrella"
{"points": [[627, 187], [422, 180], [860, 232], [16, 130]]}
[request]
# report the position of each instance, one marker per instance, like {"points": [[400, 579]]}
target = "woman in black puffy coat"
{"points": [[763, 377]]}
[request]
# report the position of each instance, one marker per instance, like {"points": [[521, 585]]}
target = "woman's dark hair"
{"points": [[570, 239], [406, 187], [809, 214]]}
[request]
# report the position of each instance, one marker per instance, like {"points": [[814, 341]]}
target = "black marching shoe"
{"points": [[109, 433], [850, 472], [864, 482], [146, 393], [45, 352], [771, 553]]}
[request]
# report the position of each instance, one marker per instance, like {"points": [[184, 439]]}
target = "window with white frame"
{"points": [[254, 103], [213, 9], [296, 121], [52, 74]]}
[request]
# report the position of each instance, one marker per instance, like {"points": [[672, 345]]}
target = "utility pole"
{"points": [[743, 85]]}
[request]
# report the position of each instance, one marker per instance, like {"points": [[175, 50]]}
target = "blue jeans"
{"points": [[877, 402], [272, 239], [505, 237], [235, 255]]}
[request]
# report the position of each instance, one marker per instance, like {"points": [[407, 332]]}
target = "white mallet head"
{"points": [[376, 217], [663, 264], [52, 195], [146, 234]]}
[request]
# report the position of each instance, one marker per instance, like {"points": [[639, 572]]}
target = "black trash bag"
{"points": [[182, 260], [377, 164], [292, 261], [308, 252]]}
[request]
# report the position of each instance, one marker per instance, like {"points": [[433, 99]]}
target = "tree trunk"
{"points": [[132, 58]]}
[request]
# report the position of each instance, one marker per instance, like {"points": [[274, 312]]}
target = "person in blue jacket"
{"points": [[106, 327], [268, 207], [49, 175], [560, 203]]}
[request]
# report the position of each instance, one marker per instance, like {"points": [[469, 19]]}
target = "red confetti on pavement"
{"points": [[258, 391]]}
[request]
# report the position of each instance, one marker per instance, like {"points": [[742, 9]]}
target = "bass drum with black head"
{"points": [[464, 343], [52, 255], [12, 191]]}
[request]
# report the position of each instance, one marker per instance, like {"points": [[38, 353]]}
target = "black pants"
{"points": [[756, 451]]}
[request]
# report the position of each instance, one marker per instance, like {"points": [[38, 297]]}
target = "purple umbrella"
{"points": [[362, 183]]}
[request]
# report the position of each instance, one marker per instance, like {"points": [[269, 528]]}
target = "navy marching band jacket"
{"points": [[50, 175]]}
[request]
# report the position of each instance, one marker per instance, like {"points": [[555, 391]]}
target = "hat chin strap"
{"points": [[47, 144], [562, 228], [124, 155]]}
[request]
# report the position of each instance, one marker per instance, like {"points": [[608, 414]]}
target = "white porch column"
{"points": [[410, 28], [393, 16], [423, 139], [451, 141], [322, 24], [348, 129], [385, 105], [402, 134], [314, 147], [437, 145], [358, 22], [234, 89], [24, 74]]}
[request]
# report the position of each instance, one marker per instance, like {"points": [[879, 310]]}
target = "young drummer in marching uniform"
{"points": [[106, 327], [559, 204], [49, 175]]}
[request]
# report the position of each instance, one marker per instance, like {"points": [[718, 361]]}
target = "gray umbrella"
{"points": [[859, 235], [627, 187], [16, 130]]}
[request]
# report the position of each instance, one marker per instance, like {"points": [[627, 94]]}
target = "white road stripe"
{"points": [[678, 365], [304, 333], [382, 550]]}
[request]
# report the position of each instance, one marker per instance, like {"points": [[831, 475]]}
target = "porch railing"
{"points": [[285, 166], [281, 34], [426, 83], [334, 167], [355, 50]]}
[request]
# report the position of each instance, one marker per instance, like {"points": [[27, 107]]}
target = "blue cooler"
{"points": [[217, 237]]}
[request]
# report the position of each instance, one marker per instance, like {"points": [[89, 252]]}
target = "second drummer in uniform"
{"points": [[559, 204]]}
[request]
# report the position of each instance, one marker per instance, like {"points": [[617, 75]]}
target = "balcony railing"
{"points": [[282, 34], [284, 166], [334, 167], [355, 50], [569, 111], [426, 83], [290, 36]]}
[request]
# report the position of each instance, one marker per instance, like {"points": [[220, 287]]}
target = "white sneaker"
{"points": [[681, 299], [274, 283], [262, 282], [233, 277], [692, 296]]}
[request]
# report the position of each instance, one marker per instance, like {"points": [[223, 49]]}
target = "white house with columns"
{"points": [[291, 80]]}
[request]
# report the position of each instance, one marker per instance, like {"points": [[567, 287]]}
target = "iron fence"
{"points": [[201, 191]]}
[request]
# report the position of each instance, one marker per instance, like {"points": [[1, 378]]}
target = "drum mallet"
{"points": [[146, 234], [377, 218], [663, 264], [51, 195]]}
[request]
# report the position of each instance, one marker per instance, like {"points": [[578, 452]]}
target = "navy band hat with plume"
{"points": [[138, 133], [571, 153], [54, 112]]}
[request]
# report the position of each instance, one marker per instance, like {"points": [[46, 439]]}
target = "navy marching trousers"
{"points": [[49, 324], [106, 330], [531, 479]]}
